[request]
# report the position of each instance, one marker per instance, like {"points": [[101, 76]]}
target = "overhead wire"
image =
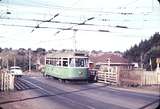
{"points": [[73, 23], [50, 18], [78, 9], [63, 8], [118, 26]]}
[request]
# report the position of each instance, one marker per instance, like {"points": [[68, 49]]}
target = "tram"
{"points": [[67, 65]]}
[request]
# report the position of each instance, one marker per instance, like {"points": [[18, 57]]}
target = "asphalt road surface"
{"points": [[47, 93]]}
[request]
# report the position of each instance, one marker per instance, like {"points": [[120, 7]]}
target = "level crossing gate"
{"points": [[108, 74]]}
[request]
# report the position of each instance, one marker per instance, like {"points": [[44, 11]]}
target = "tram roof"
{"points": [[67, 55]]}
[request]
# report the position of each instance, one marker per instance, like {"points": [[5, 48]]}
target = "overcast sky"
{"points": [[140, 19]]}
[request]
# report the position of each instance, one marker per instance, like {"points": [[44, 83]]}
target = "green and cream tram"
{"points": [[67, 65]]}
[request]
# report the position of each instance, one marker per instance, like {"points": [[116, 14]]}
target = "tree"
{"points": [[1, 49], [144, 51], [152, 54], [41, 51]]}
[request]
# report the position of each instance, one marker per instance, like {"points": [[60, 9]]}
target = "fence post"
{"points": [[5, 82], [11, 82], [105, 77], [158, 77], [1, 81]]}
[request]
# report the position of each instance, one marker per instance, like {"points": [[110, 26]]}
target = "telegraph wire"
{"points": [[58, 28], [72, 23], [56, 15], [117, 26], [55, 21], [87, 9]]}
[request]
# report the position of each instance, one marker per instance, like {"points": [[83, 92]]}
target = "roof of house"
{"points": [[104, 57]]}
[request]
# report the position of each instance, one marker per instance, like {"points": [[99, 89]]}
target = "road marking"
{"points": [[51, 93]]}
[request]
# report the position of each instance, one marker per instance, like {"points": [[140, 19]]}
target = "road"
{"points": [[46, 93]]}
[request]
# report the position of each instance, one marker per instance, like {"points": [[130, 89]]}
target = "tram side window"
{"points": [[47, 61], [53, 62], [59, 60], [71, 62], [59, 64], [65, 62]]}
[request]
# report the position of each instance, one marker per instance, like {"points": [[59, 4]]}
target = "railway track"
{"points": [[21, 85], [76, 97]]}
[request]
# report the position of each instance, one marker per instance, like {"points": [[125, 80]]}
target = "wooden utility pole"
{"points": [[7, 63], [14, 60], [141, 58]]}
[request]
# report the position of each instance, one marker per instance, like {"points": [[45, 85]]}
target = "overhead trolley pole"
{"points": [[75, 31], [74, 39]]}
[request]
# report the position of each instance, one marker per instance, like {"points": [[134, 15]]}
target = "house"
{"points": [[108, 66], [109, 59]]}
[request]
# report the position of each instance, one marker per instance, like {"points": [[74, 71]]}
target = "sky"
{"points": [[127, 22]]}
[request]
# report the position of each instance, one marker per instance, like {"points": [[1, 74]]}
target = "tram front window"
{"points": [[81, 62], [47, 61], [78, 62]]}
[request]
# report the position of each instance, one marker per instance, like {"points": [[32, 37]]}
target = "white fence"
{"points": [[139, 77], [6, 81], [108, 75], [135, 77]]}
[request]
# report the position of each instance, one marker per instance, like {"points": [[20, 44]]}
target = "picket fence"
{"points": [[6, 81], [129, 77]]}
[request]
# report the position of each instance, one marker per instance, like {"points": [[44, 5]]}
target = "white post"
{"points": [[29, 61], [157, 67], [158, 62], [4, 83], [105, 77], [1, 80], [0, 62], [117, 75], [11, 82], [14, 60], [7, 63]]}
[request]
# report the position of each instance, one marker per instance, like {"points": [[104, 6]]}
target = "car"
{"points": [[16, 71]]}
